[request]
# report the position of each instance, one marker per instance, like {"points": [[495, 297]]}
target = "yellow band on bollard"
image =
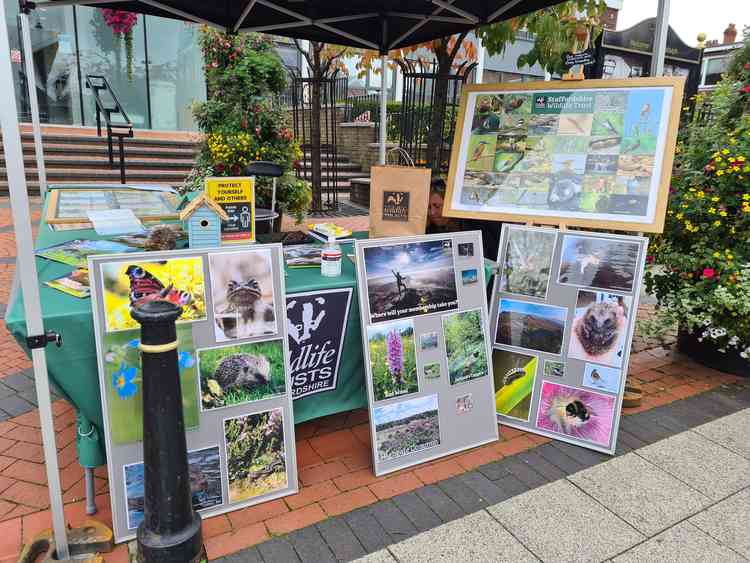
{"points": [[157, 348]]}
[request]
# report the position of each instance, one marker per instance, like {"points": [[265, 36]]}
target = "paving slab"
{"points": [[340, 539], [727, 522], [382, 556], [683, 542], [704, 465], [648, 498], [559, 522], [476, 537], [730, 432]]}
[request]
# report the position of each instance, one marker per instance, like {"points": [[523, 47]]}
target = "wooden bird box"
{"points": [[202, 218]]}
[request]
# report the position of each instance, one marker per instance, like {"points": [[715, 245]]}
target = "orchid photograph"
{"points": [[393, 359], [124, 382]]}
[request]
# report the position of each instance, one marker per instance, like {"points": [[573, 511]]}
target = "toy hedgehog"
{"points": [[243, 370]]}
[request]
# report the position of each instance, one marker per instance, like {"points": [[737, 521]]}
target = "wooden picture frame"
{"points": [[57, 196], [625, 199]]}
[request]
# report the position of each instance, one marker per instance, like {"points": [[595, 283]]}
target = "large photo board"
{"points": [[595, 153], [563, 313], [233, 359], [427, 352]]}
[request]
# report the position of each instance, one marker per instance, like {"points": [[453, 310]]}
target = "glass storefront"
{"points": [[71, 42]]}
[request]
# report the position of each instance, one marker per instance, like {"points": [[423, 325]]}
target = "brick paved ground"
{"points": [[333, 453]]}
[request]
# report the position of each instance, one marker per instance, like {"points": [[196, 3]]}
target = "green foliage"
{"points": [[384, 384], [703, 276], [210, 359], [554, 28], [241, 118], [464, 346]]}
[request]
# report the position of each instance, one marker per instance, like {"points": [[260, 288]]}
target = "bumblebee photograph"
{"points": [[599, 329], [234, 375], [242, 294], [582, 415]]}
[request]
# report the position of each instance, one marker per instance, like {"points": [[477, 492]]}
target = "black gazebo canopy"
{"points": [[374, 24]]}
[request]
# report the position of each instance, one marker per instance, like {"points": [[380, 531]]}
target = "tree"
{"points": [[557, 30]]}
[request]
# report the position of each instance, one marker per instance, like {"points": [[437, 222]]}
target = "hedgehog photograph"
{"points": [[242, 294], [599, 329], [234, 375]]}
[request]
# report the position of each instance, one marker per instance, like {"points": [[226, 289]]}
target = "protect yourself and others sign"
{"points": [[236, 195]]}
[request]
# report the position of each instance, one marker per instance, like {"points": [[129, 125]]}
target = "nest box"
{"points": [[202, 218]]}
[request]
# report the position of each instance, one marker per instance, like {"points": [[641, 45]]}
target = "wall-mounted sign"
{"points": [[236, 195]]}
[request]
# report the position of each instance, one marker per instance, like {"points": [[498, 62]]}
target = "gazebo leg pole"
{"points": [[28, 57], [660, 41], [26, 269], [383, 107]]}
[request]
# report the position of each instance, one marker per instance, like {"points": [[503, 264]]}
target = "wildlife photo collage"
{"points": [[232, 358], [563, 309], [427, 348]]}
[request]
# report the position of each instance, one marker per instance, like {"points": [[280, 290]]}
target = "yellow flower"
{"points": [[723, 213], [717, 254], [717, 223], [711, 210], [679, 216], [700, 193], [718, 159], [736, 168], [741, 159], [691, 189], [746, 197], [724, 151], [730, 256], [719, 172], [715, 198]]}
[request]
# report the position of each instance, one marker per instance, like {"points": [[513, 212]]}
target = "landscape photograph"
{"points": [[532, 326], [527, 262], [598, 263], [406, 427], [464, 346], [256, 462], [514, 375], [406, 280], [393, 359]]}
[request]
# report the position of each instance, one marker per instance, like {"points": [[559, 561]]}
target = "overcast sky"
{"points": [[690, 17]]}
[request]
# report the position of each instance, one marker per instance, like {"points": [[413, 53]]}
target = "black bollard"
{"points": [[171, 529]]}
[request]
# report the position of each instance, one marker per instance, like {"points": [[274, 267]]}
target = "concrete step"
{"points": [[64, 149], [105, 175], [94, 140], [76, 161]]}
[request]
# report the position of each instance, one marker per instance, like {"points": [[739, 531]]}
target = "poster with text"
{"points": [[563, 319], [428, 357], [590, 154], [236, 195]]}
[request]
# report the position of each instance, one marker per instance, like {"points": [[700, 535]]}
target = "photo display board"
{"points": [[233, 360], [72, 206], [594, 153], [563, 313], [427, 352]]}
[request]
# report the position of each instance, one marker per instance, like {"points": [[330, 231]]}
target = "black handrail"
{"points": [[122, 130]]}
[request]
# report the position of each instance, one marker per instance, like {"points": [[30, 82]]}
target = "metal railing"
{"points": [[115, 129]]}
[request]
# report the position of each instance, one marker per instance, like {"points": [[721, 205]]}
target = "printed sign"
{"points": [[395, 206], [237, 197], [316, 326], [585, 58]]}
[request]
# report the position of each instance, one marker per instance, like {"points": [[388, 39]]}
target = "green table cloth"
{"points": [[73, 368]]}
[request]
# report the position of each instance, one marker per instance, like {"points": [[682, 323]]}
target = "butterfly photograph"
{"points": [[129, 284]]}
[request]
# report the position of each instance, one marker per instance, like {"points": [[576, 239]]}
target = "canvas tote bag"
{"points": [[399, 199]]}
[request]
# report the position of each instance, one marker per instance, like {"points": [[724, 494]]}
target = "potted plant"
{"points": [[700, 269], [242, 121]]}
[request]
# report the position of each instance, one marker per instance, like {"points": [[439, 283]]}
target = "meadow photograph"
{"points": [[600, 326], [204, 470], [242, 294], [576, 413], [464, 346], [406, 280], [123, 383], [431, 371], [241, 373], [131, 283], [393, 359], [532, 326], [256, 462], [406, 427], [527, 262], [598, 263], [514, 375]]}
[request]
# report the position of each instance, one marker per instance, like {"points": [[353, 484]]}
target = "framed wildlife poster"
{"points": [[427, 352], [233, 360], [70, 205], [594, 153], [563, 312]]}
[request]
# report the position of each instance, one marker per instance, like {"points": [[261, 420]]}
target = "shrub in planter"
{"points": [[241, 120], [701, 263]]}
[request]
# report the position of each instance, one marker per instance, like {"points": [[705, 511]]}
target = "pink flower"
{"points": [[746, 89], [395, 357], [649, 259], [708, 273]]}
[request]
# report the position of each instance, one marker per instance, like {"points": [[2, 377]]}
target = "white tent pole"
{"points": [[26, 269], [383, 107], [660, 39], [28, 57], [479, 72]]}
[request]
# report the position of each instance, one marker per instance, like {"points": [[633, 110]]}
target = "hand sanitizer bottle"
{"points": [[330, 259]]}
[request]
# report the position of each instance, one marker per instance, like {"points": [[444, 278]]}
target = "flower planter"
{"points": [[707, 354]]}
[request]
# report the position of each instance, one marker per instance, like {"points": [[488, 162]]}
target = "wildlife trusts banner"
{"points": [[316, 326]]}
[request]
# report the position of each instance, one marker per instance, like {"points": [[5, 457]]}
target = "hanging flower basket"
{"points": [[121, 23]]}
